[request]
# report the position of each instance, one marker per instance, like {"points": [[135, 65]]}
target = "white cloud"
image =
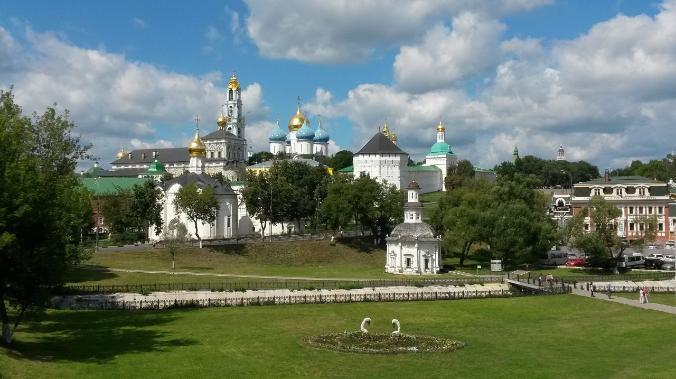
{"points": [[114, 101], [447, 56], [161, 143], [139, 23], [347, 31]]}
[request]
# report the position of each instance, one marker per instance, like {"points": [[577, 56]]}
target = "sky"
{"points": [[598, 77]]}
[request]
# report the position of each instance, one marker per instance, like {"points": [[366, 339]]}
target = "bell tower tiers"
{"points": [[413, 207], [232, 108]]}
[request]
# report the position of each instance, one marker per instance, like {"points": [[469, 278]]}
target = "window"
{"points": [[640, 210], [631, 226], [427, 263], [408, 262], [641, 226], [660, 210], [631, 210], [650, 210], [227, 222], [586, 227], [596, 192], [660, 227]]}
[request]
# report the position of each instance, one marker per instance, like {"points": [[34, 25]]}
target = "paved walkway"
{"points": [[162, 272], [623, 300]]}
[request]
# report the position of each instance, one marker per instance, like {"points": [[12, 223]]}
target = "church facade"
{"points": [[226, 147], [412, 247], [301, 138]]}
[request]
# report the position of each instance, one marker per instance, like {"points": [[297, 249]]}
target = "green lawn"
{"points": [[312, 259], [535, 337], [659, 298]]}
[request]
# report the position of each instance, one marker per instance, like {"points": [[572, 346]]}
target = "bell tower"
{"points": [[232, 109]]}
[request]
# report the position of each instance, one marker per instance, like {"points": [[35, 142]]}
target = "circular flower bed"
{"points": [[357, 342]]}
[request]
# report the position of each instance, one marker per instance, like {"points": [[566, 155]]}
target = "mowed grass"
{"points": [[535, 337], [300, 259], [659, 298]]}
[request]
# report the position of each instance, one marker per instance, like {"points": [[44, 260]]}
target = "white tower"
{"points": [[441, 155], [413, 208], [561, 154], [232, 108]]}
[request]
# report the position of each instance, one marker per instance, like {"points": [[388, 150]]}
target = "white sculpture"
{"points": [[364, 322], [397, 326]]}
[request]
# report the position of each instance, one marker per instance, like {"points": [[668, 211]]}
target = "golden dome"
{"points": [[296, 122], [393, 137], [441, 127], [197, 147], [386, 130], [120, 154], [221, 121], [234, 83]]}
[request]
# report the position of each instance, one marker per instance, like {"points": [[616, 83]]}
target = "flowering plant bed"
{"points": [[357, 342]]}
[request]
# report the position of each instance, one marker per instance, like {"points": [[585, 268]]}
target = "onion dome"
{"points": [[386, 130], [305, 133], [298, 120], [441, 127], [393, 137], [288, 138], [234, 83], [221, 121], [413, 185], [120, 154], [277, 134], [320, 134], [197, 147], [156, 168]]}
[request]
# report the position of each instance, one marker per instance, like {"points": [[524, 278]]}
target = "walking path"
{"points": [[161, 272], [622, 300]]}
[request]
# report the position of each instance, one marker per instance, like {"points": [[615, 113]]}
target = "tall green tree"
{"points": [[146, 207], [341, 159], [457, 175], [175, 236], [336, 209], [198, 204], [599, 239], [116, 211], [259, 157], [43, 209]]}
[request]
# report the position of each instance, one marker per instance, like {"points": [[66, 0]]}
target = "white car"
{"points": [[655, 256], [668, 258]]}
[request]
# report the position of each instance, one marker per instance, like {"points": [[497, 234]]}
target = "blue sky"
{"points": [[467, 62]]}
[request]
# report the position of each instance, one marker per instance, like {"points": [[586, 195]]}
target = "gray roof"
{"points": [[412, 230], [614, 180], [201, 181], [220, 134], [124, 172], [379, 144], [172, 154]]}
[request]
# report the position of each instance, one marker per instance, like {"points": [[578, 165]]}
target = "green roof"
{"points": [[109, 186], [440, 148], [346, 170], [622, 180], [421, 168], [156, 168]]}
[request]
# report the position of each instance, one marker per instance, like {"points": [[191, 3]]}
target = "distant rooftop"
{"points": [[109, 185], [622, 180]]}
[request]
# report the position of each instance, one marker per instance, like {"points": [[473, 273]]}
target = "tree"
{"points": [[259, 157], [647, 229], [601, 242], [174, 237], [198, 204], [146, 207], [342, 159], [376, 206], [116, 211], [457, 175], [43, 209], [336, 209]]}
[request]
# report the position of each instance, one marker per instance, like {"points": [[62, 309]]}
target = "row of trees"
{"points": [[508, 218], [137, 210], [337, 161], [548, 173], [660, 169]]}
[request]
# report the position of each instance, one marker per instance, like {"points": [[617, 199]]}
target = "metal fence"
{"points": [[244, 285], [633, 276]]}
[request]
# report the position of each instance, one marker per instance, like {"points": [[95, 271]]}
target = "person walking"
{"points": [[610, 290], [641, 296], [645, 295]]}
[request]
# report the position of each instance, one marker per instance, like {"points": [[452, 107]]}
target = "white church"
{"points": [[412, 247], [381, 159], [301, 139], [225, 225]]}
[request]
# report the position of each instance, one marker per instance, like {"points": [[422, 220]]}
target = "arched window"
{"points": [[229, 94]]}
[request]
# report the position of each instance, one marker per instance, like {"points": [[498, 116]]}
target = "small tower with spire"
{"points": [[441, 132], [515, 154], [561, 154], [197, 151]]}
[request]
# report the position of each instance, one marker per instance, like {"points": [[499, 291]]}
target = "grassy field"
{"points": [[659, 298], [536, 337], [312, 259]]}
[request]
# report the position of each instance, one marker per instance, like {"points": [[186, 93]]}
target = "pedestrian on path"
{"points": [[645, 295], [610, 290], [641, 296], [593, 287]]}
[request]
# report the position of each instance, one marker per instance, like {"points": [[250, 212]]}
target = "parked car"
{"points": [[653, 263], [655, 256], [553, 258], [652, 247], [670, 244], [668, 258], [669, 266], [631, 261], [575, 262]]}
